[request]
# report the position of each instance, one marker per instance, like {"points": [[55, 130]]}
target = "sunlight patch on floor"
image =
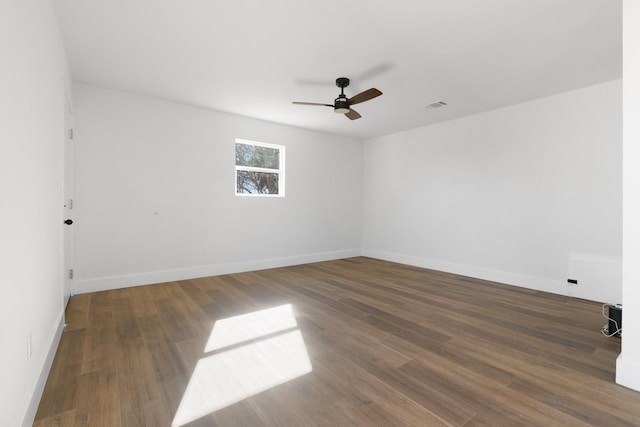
{"points": [[274, 353], [246, 327]]}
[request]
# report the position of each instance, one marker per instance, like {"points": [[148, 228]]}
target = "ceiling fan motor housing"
{"points": [[341, 105]]}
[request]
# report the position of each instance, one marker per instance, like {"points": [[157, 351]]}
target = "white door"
{"points": [[68, 204]]}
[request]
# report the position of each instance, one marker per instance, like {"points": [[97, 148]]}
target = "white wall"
{"points": [[508, 195], [136, 156], [32, 74], [628, 364]]}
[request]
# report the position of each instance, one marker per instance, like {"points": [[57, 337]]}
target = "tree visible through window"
{"points": [[259, 169]]}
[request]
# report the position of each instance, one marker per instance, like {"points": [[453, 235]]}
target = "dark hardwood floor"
{"points": [[354, 342]]}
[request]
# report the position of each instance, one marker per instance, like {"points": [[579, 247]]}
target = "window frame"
{"points": [[280, 171]]}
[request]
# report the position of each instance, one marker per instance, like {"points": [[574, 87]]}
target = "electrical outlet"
{"points": [[29, 346]]}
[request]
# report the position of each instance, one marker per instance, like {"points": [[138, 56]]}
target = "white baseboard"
{"points": [[628, 372], [82, 286], [124, 281], [30, 407], [509, 278]]}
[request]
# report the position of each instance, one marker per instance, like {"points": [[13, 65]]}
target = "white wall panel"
{"points": [[628, 364], [33, 72], [504, 195], [155, 198]]}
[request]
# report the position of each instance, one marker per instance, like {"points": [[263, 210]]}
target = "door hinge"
{"points": [[70, 133], [71, 273]]}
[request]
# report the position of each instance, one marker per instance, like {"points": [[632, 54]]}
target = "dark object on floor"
{"points": [[615, 320]]}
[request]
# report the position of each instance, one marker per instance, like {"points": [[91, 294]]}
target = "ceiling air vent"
{"points": [[436, 104]]}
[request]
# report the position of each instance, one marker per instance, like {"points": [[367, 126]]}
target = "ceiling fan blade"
{"points": [[364, 96], [353, 115], [311, 103]]}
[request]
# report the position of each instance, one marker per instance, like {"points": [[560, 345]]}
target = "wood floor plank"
{"points": [[99, 344], [61, 419], [588, 413], [77, 314], [388, 345], [98, 401], [356, 364], [61, 388]]}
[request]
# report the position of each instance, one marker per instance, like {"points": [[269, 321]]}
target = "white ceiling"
{"points": [[253, 57]]}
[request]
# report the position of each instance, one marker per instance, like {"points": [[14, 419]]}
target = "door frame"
{"points": [[67, 194]]}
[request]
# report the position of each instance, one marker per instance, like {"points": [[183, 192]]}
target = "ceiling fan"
{"points": [[342, 104]]}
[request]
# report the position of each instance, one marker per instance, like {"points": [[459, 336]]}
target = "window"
{"points": [[259, 169]]}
